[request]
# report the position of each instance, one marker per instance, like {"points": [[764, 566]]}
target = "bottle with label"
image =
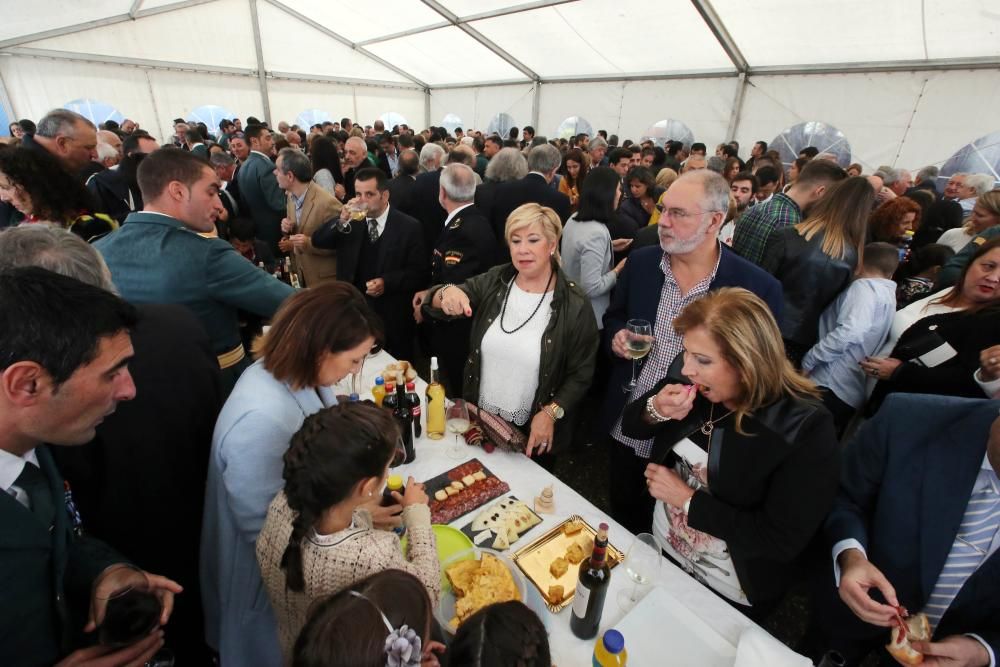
{"points": [[401, 411], [378, 391], [390, 396], [588, 602], [435, 404], [413, 402], [610, 650]]}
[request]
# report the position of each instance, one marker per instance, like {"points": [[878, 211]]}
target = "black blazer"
{"points": [[463, 249], [401, 194], [810, 280], [968, 333], [771, 488], [511, 194], [424, 205], [140, 484], [45, 578], [905, 484]]}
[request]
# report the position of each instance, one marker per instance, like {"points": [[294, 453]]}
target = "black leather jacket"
{"points": [[811, 280], [771, 487]]}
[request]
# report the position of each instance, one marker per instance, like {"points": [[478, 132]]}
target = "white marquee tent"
{"points": [[907, 82]]}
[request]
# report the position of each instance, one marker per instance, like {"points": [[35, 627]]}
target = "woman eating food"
{"points": [[745, 461]]}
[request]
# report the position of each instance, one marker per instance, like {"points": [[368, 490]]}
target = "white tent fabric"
{"points": [[909, 82]]}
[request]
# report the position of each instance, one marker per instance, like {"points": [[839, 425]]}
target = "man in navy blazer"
{"points": [[906, 482], [655, 285], [383, 256]]}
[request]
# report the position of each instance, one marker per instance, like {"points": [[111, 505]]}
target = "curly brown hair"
{"points": [[886, 220]]}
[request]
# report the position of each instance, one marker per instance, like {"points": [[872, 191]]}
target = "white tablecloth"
{"points": [[526, 480]]}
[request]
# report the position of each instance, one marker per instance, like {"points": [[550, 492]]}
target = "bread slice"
{"points": [[915, 628]]}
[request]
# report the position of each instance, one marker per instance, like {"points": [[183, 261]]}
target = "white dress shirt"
{"points": [[11, 466]]}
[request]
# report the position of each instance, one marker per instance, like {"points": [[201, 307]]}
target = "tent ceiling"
{"points": [[440, 43]]}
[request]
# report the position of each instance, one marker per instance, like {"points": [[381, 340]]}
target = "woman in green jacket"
{"points": [[534, 339]]}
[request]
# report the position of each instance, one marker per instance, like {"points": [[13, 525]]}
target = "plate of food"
{"points": [[552, 562], [474, 579], [449, 541], [501, 523], [461, 490]]}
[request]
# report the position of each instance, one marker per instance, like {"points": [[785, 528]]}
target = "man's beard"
{"points": [[682, 247]]}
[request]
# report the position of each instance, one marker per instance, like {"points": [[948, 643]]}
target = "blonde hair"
{"points": [[743, 327], [526, 215], [989, 201], [666, 177], [842, 215]]}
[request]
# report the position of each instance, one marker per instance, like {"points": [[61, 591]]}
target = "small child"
{"points": [[505, 633], [852, 327], [919, 272]]}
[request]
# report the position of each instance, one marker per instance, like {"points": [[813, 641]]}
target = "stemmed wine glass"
{"points": [[457, 422], [132, 612], [642, 565], [638, 342]]}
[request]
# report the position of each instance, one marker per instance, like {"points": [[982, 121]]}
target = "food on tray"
{"points": [[501, 542], [482, 537], [575, 553], [559, 567], [405, 367], [508, 517], [478, 583], [440, 494], [572, 528], [467, 487], [555, 594]]}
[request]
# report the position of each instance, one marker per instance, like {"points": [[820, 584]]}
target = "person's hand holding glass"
{"points": [[637, 342]]}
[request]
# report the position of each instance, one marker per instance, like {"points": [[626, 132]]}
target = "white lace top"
{"points": [[509, 376]]}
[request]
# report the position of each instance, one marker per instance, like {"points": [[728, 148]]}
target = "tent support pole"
{"points": [[5, 102], [261, 72], [734, 117], [536, 105], [427, 107]]}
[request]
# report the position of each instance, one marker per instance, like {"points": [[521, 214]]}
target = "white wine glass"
{"points": [[457, 422], [642, 565], [638, 342]]}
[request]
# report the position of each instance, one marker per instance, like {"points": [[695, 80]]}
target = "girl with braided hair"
{"points": [[317, 338], [318, 537], [506, 634]]}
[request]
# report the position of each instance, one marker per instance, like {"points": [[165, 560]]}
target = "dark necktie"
{"points": [[372, 230], [36, 485]]}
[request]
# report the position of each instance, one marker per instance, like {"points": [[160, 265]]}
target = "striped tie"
{"points": [[972, 544]]}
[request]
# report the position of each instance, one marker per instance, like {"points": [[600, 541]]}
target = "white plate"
{"points": [[660, 631]]}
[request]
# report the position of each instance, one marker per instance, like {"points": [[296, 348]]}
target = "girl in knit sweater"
{"points": [[317, 540]]}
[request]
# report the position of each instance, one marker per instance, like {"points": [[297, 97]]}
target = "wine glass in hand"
{"points": [[132, 610], [457, 422], [639, 340], [642, 565]]}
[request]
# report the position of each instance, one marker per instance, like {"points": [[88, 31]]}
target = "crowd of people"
{"points": [[816, 405]]}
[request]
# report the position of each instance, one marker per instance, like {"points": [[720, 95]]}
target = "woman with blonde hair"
{"points": [[534, 336], [985, 214], [815, 259], [744, 467], [665, 178]]}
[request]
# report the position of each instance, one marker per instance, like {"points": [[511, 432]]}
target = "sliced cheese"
{"points": [[501, 542], [482, 537]]}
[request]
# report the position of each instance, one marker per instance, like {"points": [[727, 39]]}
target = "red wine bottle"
{"points": [[592, 588]]}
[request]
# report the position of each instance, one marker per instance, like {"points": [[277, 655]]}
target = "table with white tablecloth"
{"points": [[526, 480]]}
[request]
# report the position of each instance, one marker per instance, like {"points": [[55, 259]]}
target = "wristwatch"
{"points": [[554, 410]]}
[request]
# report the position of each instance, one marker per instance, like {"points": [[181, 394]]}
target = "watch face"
{"points": [[559, 412]]}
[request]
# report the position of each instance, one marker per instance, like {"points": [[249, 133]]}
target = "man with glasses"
{"points": [[656, 284]]}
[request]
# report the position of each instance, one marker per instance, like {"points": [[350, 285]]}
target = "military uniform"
{"points": [[466, 247], [156, 259]]}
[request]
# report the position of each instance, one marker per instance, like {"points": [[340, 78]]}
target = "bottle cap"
{"points": [[379, 380], [410, 386], [614, 642], [395, 483], [434, 363], [389, 387], [354, 398]]}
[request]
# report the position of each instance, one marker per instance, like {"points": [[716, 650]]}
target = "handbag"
{"points": [[494, 432]]}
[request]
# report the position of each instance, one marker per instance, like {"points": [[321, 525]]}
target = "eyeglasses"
{"points": [[681, 214]]}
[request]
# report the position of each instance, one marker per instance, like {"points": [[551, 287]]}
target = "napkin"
{"points": [[757, 648]]}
